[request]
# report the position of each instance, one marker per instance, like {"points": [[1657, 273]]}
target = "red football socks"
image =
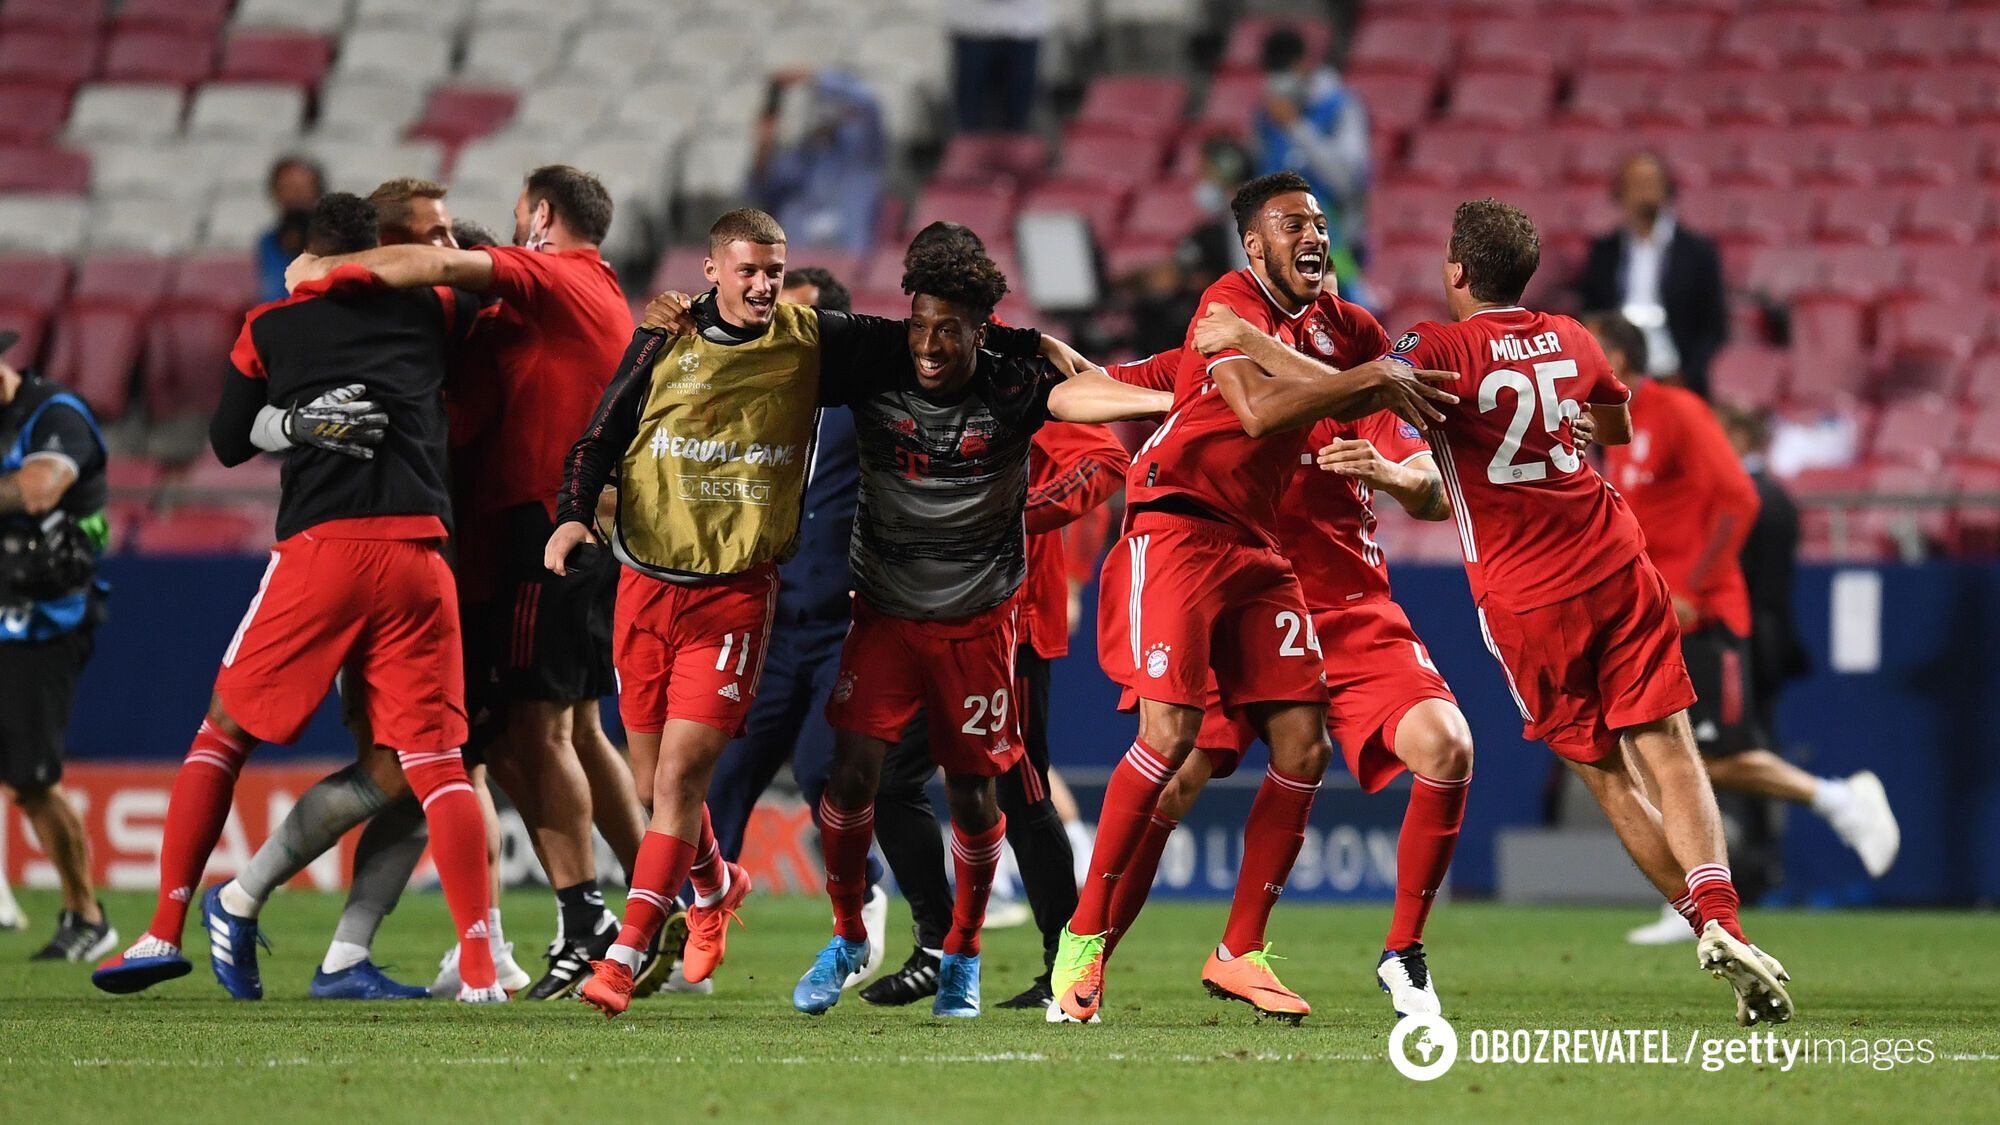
{"points": [[458, 848], [1684, 906], [1129, 800], [661, 867], [708, 873], [1714, 895], [1423, 853], [973, 860], [1129, 895], [196, 812], [1271, 841], [844, 836]]}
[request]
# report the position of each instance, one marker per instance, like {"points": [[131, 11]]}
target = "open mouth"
{"points": [[929, 367], [761, 304], [1311, 265]]}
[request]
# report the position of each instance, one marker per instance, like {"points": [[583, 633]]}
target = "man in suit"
{"points": [[1663, 277]]}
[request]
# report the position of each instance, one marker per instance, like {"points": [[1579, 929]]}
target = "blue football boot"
{"points": [[819, 989], [363, 981], [958, 986], [232, 947]]}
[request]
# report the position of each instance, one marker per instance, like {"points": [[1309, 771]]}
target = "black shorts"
{"points": [[1725, 713], [546, 637], [37, 690]]}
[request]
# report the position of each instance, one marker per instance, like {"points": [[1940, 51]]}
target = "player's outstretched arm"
{"points": [[402, 267], [1274, 388], [1092, 396], [1611, 425], [1416, 484]]}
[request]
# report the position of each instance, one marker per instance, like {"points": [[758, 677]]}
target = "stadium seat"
{"points": [[509, 55], [1523, 47], [1917, 432], [609, 54], [1110, 159], [57, 57], [989, 211], [184, 16], [149, 171], [1750, 375], [439, 18], [31, 323], [1395, 101], [55, 15], [1232, 102], [715, 165], [977, 157], [1130, 255], [1143, 102], [1501, 101], [1948, 328], [1392, 44], [318, 16], [364, 109], [144, 55], [295, 58], [1610, 98], [564, 110], [33, 168], [393, 54], [223, 281], [32, 112], [1981, 444], [152, 226], [49, 224], [95, 351], [679, 268], [37, 280], [457, 114], [187, 355], [1244, 48], [247, 110], [125, 112], [1101, 207], [1862, 215], [358, 166], [1164, 211], [1664, 42], [203, 530], [1945, 272]]}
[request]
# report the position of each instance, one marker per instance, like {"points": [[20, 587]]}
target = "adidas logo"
{"points": [[476, 931], [181, 894], [730, 692]]}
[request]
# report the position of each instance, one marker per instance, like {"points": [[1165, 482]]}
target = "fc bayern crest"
{"points": [[1321, 338], [1156, 661]]}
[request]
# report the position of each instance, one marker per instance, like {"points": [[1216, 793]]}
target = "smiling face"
{"points": [[1287, 247], [944, 341], [748, 277]]}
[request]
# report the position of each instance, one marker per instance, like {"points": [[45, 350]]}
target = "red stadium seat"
{"points": [[257, 477], [133, 474], [1979, 380], [1619, 97], [1409, 276], [1750, 375], [1152, 104], [1130, 255], [95, 351], [1982, 438], [1829, 336], [223, 281], [1664, 42], [1858, 272], [1946, 273], [1246, 40], [204, 530], [203, 16], [1917, 38], [36, 279], [1387, 45], [31, 320], [1517, 47], [978, 157], [1397, 101], [1102, 208], [1110, 159], [1863, 215], [1164, 211], [32, 112], [1412, 217], [135, 281], [1501, 101], [457, 114], [187, 355], [1232, 102], [1948, 328], [1917, 432], [1757, 41], [680, 269], [54, 15], [145, 55], [47, 171], [989, 211], [61, 58], [276, 56]]}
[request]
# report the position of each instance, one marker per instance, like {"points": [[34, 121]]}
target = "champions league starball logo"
{"points": [[1423, 1047]]}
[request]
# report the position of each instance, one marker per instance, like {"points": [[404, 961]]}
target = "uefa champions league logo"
{"points": [[1423, 1047]]}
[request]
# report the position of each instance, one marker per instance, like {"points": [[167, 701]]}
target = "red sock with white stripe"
{"points": [[1129, 800], [710, 875], [844, 836], [1714, 895], [1684, 906], [196, 812], [1423, 853], [973, 861], [659, 869], [458, 848], [1129, 897], [1272, 837]]}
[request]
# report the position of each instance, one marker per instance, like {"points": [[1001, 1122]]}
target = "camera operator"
{"points": [[52, 494]]}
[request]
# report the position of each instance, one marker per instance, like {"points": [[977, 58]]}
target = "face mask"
{"points": [[538, 236], [1209, 197]]}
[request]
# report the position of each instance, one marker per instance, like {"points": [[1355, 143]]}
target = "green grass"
{"points": [[1166, 1052]]}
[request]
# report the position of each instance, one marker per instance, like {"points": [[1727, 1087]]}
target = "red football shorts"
{"points": [[692, 652], [1590, 666], [1182, 597], [1376, 670], [960, 674], [385, 608]]}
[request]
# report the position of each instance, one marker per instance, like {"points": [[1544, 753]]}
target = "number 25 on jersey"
{"points": [[1509, 465]]}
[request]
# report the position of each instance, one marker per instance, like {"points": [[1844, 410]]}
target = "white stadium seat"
{"points": [[368, 108], [556, 14], [323, 16], [922, 54], [670, 109], [247, 110], [489, 207], [124, 112], [715, 164], [807, 46], [609, 54], [43, 224], [393, 53], [358, 166], [236, 163], [443, 17], [147, 171], [234, 220], [510, 55], [563, 110], [155, 226]]}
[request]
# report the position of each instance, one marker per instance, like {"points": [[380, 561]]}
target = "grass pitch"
{"points": [[1166, 1052]]}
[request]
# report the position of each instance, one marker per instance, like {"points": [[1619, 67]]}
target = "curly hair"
{"points": [[1498, 246], [944, 232], [832, 294], [1249, 200], [940, 268], [341, 224]]}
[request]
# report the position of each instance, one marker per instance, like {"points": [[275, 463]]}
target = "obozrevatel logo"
{"points": [[1423, 1047]]}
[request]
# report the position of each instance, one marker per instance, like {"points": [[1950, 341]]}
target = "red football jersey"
{"points": [[1535, 521], [1691, 494], [1326, 523], [1201, 451], [1072, 469]]}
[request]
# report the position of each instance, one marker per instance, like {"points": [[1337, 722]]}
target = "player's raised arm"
{"points": [[402, 267], [1415, 484], [1092, 396], [587, 468], [1274, 388]]}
